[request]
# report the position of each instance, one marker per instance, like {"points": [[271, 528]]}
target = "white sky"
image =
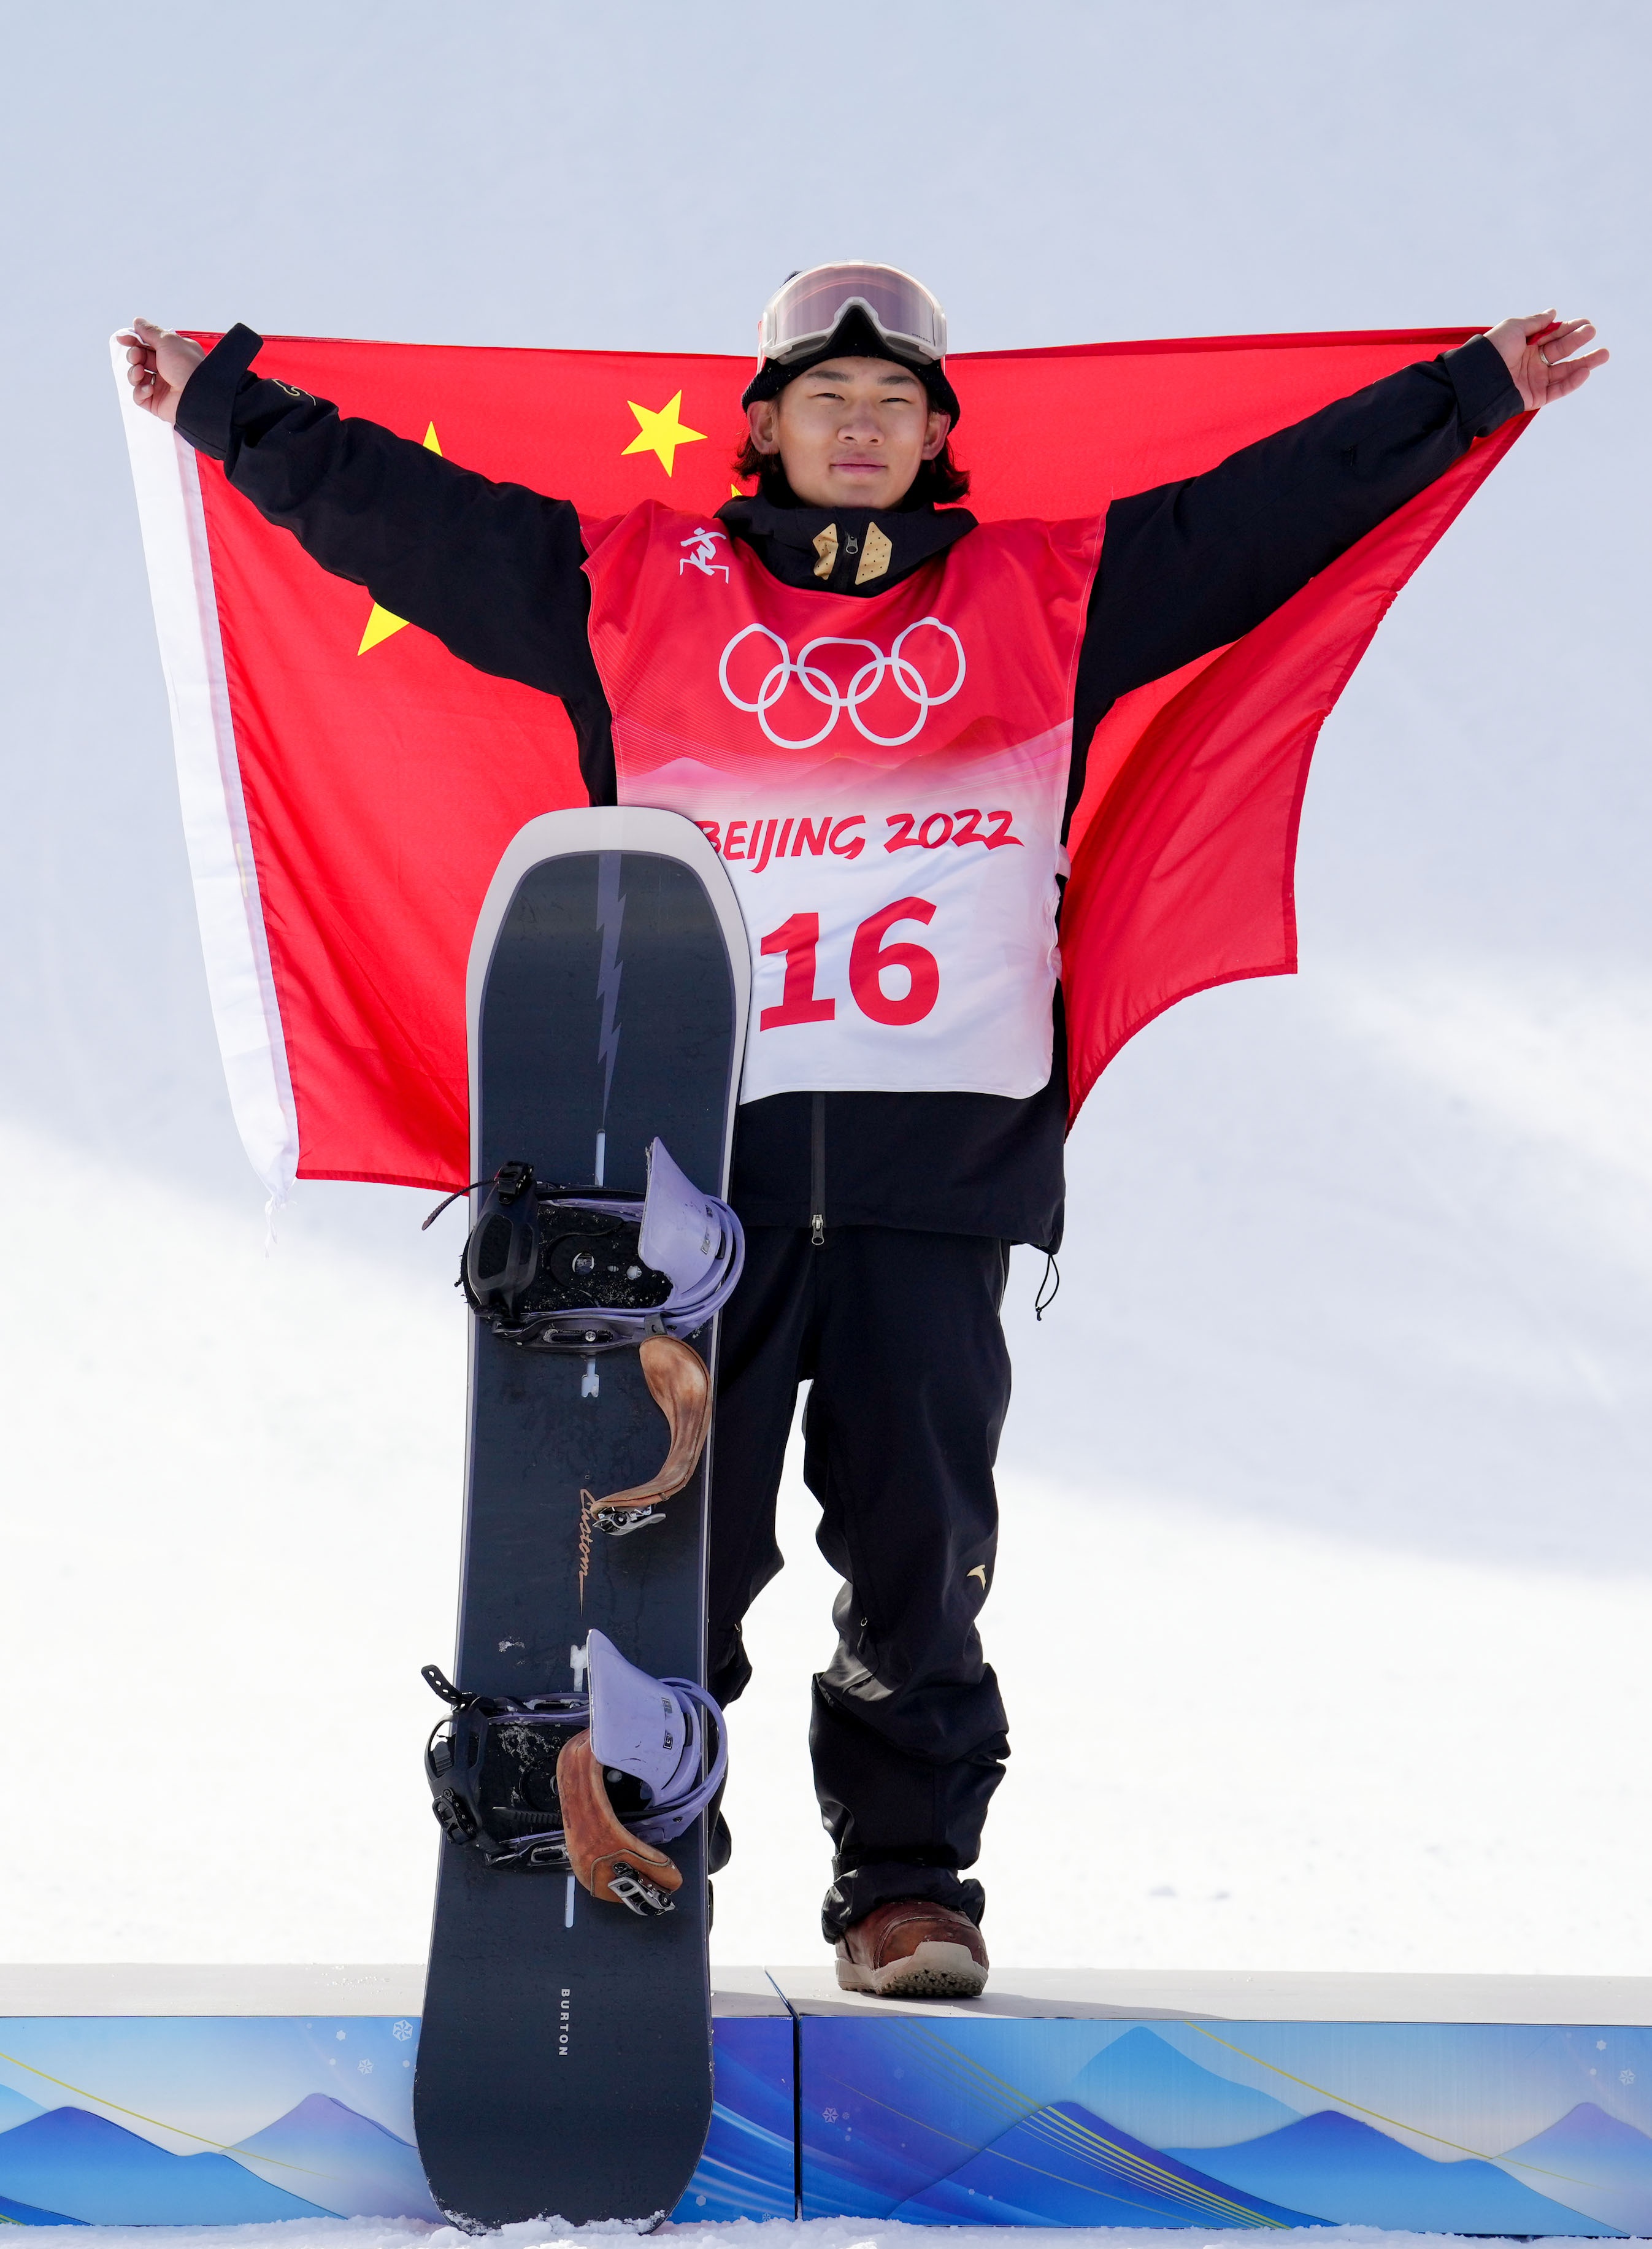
{"points": [[1327, 1568]]}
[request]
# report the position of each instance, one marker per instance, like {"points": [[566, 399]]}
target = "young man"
{"points": [[905, 1098]]}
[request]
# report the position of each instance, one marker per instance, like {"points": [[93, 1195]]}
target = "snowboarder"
{"points": [[896, 1136]]}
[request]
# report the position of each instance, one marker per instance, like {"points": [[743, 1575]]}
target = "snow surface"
{"points": [[742, 2233], [1327, 1570], [1268, 1741]]}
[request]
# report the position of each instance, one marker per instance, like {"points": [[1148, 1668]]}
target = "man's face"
{"points": [[850, 433]]}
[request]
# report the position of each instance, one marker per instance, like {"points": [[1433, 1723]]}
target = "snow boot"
{"points": [[913, 1949]]}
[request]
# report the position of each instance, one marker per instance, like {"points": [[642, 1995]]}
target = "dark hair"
{"points": [[936, 481]]}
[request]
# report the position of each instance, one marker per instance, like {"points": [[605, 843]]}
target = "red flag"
{"points": [[348, 787]]}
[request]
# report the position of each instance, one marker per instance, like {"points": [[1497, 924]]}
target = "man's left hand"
{"points": [[1537, 351]]}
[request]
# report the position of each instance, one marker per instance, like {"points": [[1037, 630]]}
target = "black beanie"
{"points": [[855, 337]]}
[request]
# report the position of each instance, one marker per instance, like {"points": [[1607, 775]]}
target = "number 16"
{"points": [[869, 958]]}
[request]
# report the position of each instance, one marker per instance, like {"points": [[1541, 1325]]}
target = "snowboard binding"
{"points": [[589, 1785], [589, 1270]]}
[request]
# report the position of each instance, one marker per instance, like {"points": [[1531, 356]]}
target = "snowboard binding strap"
{"points": [[603, 1856], [680, 1386]]}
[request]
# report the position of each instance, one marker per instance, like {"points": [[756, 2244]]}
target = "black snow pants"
{"points": [[898, 1334]]}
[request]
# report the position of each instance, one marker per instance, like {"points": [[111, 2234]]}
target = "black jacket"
{"points": [[494, 571]]}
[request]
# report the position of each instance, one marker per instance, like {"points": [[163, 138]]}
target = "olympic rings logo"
{"points": [[823, 688]]}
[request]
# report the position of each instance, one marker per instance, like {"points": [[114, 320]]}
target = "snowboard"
{"points": [[564, 2064]]}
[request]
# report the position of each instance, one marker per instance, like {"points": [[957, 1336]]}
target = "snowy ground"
{"points": [[746, 2234], [1324, 1597]]}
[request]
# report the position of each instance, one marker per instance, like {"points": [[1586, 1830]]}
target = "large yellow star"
{"points": [[382, 623], [662, 433]]}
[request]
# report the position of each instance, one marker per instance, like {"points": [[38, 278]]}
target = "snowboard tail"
{"points": [[564, 2065]]}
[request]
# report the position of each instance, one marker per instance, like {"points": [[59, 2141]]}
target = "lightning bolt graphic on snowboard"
{"points": [[610, 913]]}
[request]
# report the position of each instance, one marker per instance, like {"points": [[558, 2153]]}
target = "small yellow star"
{"points": [[662, 433], [382, 623]]}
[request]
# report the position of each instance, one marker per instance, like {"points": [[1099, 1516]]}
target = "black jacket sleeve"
{"points": [[493, 570], [1191, 565]]}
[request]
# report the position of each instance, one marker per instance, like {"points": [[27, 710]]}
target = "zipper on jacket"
{"points": [[817, 1170]]}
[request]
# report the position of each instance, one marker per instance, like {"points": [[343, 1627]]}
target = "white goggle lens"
{"points": [[805, 311]]}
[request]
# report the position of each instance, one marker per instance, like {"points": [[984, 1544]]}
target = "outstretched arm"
{"points": [[1192, 565], [493, 570]]}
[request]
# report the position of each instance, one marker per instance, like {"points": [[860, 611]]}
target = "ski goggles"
{"points": [[804, 312]]}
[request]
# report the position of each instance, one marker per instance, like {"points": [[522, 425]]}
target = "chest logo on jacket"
{"points": [[704, 558], [812, 672]]}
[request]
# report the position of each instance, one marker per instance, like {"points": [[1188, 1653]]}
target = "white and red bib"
{"points": [[884, 778]]}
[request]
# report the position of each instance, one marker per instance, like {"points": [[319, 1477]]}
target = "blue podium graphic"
{"points": [[933, 2114]]}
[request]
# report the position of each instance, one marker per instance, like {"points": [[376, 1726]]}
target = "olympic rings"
{"points": [[861, 687]]}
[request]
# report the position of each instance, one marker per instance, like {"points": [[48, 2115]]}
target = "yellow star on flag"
{"points": [[384, 622], [661, 433]]}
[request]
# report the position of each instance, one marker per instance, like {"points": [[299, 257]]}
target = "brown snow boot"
{"points": [[607, 1859], [912, 1949]]}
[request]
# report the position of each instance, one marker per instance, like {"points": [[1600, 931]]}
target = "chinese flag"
{"points": [[348, 787]]}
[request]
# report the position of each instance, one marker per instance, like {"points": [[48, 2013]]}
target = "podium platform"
{"points": [[1475, 2105]]}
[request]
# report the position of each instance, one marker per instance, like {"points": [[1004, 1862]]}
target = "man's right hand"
{"points": [[159, 364]]}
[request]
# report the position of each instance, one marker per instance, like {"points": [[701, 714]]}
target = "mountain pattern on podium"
{"points": [[989, 2121], [981, 2120]]}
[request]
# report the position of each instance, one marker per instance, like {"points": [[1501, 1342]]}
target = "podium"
{"points": [[1444, 2104]]}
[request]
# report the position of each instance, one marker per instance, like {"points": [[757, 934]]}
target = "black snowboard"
{"points": [[564, 2064]]}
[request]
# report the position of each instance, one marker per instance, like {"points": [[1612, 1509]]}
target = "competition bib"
{"points": [[884, 779]]}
